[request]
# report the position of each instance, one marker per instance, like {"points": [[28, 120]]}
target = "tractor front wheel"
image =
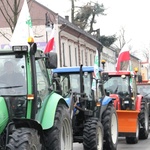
{"points": [[93, 135], [59, 137], [24, 139], [110, 125]]}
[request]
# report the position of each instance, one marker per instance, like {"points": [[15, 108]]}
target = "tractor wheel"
{"points": [[24, 139], [59, 137], [144, 121], [93, 135], [110, 125], [134, 140]]}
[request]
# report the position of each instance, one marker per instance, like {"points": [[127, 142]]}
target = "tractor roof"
{"points": [[74, 69]]}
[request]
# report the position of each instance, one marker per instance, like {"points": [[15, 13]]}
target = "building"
{"points": [[73, 45]]}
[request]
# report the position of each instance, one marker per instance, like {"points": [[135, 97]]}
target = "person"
{"points": [[12, 78]]}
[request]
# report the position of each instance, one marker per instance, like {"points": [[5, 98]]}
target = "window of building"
{"points": [[91, 60], [76, 57], [63, 55], [70, 55], [82, 57]]}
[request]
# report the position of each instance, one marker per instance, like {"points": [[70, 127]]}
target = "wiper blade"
{"points": [[9, 87]]}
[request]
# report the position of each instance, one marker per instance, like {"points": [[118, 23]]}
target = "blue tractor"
{"points": [[94, 118]]}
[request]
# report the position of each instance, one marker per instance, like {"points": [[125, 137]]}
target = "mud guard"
{"points": [[106, 100], [46, 114], [4, 116], [138, 102]]}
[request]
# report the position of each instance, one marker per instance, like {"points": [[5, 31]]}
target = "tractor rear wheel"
{"points": [[144, 121], [110, 125], [59, 137], [24, 139], [134, 140], [93, 135]]}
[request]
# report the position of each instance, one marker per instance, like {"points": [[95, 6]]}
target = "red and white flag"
{"points": [[51, 44], [124, 55]]}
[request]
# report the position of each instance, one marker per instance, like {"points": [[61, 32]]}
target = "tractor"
{"points": [[131, 107], [32, 114], [94, 118], [143, 87]]}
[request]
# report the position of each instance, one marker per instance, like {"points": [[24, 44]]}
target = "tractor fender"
{"points": [[4, 115], [28, 123], [46, 114], [139, 99], [106, 100]]}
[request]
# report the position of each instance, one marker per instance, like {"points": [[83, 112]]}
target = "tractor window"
{"points": [[117, 85], [75, 82], [87, 85], [65, 85], [42, 79], [12, 75], [144, 89]]}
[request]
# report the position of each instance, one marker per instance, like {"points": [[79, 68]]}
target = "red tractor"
{"points": [[132, 108]]}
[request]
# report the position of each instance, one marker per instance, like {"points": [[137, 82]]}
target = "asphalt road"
{"points": [[141, 145]]}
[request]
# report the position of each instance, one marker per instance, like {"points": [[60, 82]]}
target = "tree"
{"points": [[107, 40], [85, 18]]}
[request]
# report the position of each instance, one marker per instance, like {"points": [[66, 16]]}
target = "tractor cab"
{"points": [[123, 85], [78, 81]]}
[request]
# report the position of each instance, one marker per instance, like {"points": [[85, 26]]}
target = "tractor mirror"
{"points": [[139, 78], [51, 60], [105, 76]]}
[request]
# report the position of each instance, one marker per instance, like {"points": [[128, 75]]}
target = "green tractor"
{"points": [[94, 118], [32, 115]]}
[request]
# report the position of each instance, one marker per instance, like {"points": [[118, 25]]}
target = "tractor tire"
{"points": [[60, 137], [144, 121], [110, 125], [93, 135], [135, 139], [24, 139]]}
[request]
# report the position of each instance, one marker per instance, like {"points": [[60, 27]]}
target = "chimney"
{"points": [[67, 18]]}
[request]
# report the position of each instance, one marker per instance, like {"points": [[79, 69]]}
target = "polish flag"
{"points": [[50, 45], [124, 55]]}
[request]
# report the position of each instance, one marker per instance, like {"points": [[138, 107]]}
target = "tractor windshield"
{"points": [[72, 82], [12, 75], [117, 85]]}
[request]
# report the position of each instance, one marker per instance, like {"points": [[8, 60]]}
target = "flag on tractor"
{"points": [[23, 29], [96, 71], [51, 44], [124, 55]]}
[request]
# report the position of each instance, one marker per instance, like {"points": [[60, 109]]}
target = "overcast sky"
{"points": [[133, 15]]}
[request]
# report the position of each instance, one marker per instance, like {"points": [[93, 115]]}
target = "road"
{"points": [[141, 145]]}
